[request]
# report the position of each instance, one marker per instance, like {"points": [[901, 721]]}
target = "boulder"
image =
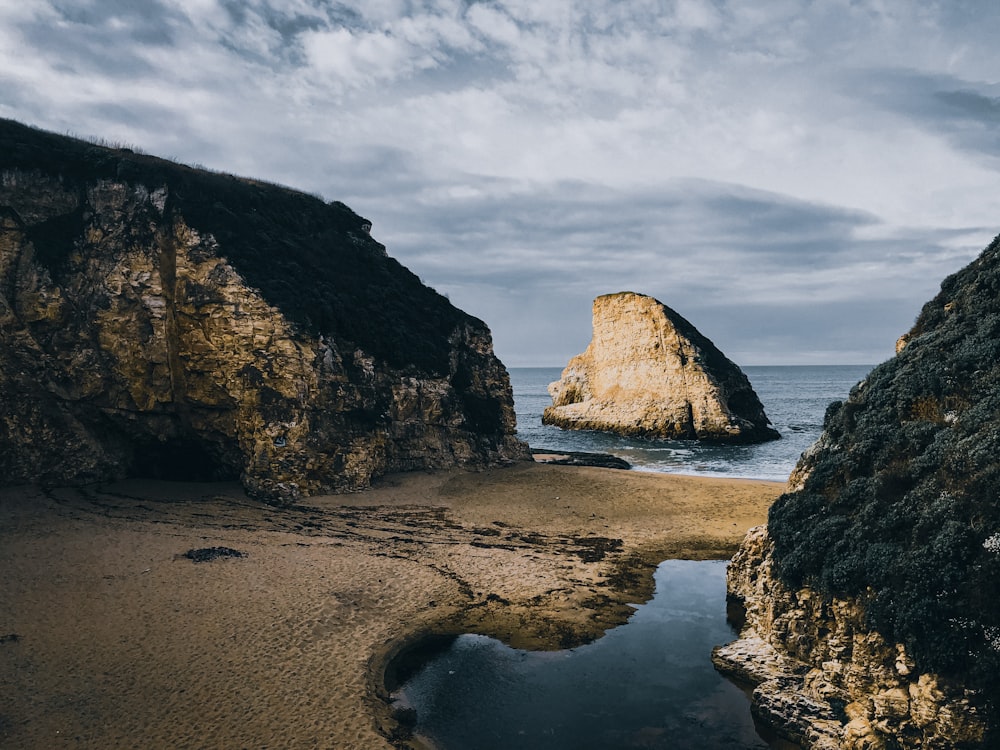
{"points": [[649, 373], [168, 322]]}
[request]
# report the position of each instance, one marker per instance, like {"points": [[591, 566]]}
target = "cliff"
{"points": [[157, 320], [873, 595], [648, 372]]}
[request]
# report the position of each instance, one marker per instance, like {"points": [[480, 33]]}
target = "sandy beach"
{"points": [[111, 637]]}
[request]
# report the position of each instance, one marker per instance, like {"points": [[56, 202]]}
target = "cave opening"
{"points": [[180, 460]]}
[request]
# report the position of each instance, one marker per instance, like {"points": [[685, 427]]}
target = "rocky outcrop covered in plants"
{"points": [[873, 595], [648, 372], [157, 320]]}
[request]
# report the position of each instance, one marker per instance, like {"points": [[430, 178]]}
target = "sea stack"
{"points": [[649, 373], [168, 322], [872, 596]]}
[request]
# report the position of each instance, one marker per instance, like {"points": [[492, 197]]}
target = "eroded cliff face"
{"points": [[160, 321], [826, 680], [648, 372], [873, 595]]}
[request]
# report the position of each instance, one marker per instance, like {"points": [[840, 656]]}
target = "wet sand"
{"points": [[110, 637]]}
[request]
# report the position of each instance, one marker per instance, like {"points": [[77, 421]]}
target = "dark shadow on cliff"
{"points": [[900, 505], [179, 460]]}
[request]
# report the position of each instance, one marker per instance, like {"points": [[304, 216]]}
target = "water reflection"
{"points": [[647, 684]]}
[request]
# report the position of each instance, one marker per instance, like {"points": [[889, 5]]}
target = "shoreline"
{"points": [[122, 641]]}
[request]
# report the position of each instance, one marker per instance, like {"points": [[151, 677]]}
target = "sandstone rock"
{"points": [[161, 321], [808, 653], [648, 372], [879, 570]]}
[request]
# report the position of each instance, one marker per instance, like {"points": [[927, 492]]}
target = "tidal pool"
{"points": [[647, 684]]}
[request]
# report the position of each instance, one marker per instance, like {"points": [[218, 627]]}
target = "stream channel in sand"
{"points": [[646, 684]]}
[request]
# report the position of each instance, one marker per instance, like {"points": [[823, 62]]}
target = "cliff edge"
{"points": [[648, 372], [873, 595], [163, 321]]}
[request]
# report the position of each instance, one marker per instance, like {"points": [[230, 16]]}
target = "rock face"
{"points": [[825, 680], [649, 373], [161, 321], [873, 595]]}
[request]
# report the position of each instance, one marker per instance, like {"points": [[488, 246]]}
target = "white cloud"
{"points": [[695, 14], [356, 58], [494, 25], [587, 142]]}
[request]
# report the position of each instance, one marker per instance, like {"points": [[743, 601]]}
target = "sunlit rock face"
{"points": [[873, 594], [826, 680], [161, 321], [648, 372]]}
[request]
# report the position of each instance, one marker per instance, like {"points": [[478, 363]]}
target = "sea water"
{"points": [[795, 399], [649, 683]]}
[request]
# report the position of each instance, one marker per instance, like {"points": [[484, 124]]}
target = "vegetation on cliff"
{"points": [[158, 320], [899, 507], [313, 260]]}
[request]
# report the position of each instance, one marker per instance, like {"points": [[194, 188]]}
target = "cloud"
{"points": [[794, 176], [966, 113], [745, 264]]}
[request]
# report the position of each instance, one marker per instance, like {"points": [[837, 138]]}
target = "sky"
{"points": [[795, 177]]}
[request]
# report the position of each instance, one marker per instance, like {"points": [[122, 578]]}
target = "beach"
{"points": [[111, 637]]}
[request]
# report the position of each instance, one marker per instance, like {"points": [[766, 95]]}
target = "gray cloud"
{"points": [[796, 177], [757, 268], [965, 112]]}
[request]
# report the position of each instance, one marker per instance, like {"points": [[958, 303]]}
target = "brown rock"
{"points": [[159, 321], [807, 653], [648, 372]]}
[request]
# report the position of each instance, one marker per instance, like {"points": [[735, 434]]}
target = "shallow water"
{"points": [[649, 683], [646, 684], [794, 397]]}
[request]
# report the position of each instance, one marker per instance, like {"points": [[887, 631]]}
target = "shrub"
{"points": [[904, 501]]}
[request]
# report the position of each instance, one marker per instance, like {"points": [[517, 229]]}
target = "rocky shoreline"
{"points": [[824, 680]]}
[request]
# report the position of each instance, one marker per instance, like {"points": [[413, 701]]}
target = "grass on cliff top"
{"points": [[312, 260], [901, 509]]}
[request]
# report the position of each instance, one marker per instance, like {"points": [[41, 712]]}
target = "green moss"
{"points": [[313, 260], [900, 505]]}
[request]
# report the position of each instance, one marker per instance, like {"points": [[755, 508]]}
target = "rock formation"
{"points": [[873, 595], [157, 320], [649, 373]]}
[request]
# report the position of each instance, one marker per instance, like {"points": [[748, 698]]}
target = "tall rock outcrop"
{"points": [[873, 595], [158, 320], [649, 373]]}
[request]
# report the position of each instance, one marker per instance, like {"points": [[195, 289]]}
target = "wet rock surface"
{"points": [[207, 554], [579, 458]]}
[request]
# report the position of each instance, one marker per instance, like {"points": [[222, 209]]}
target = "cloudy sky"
{"points": [[793, 176]]}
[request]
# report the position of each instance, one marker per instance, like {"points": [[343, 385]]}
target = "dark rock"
{"points": [[579, 458], [168, 322], [880, 569], [207, 554]]}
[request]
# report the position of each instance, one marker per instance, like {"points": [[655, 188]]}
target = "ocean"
{"points": [[794, 397]]}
